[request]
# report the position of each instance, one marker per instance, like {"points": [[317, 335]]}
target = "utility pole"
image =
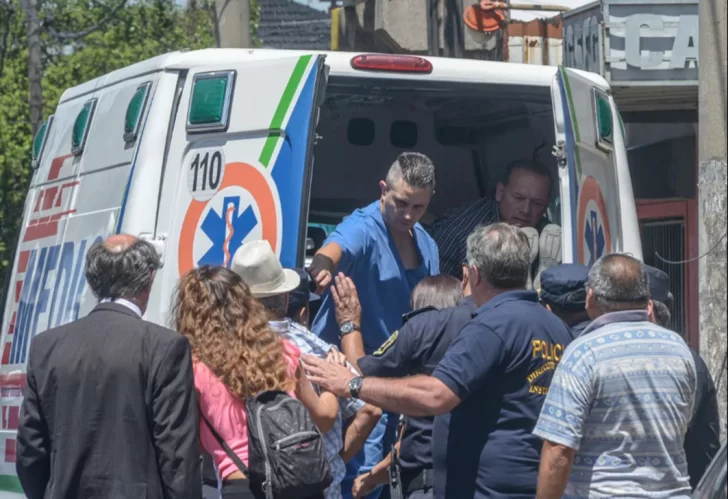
{"points": [[35, 66], [712, 177], [433, 28], [454, 33], [233, 23]]}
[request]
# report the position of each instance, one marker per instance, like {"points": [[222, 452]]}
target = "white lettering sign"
{"points": [[684, 47]]}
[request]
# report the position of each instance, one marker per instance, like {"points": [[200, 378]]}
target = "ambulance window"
{"points": [[39, 142], [604, 124], [81, 126], [403, 134], [360, 132], [210, 102], [134, 112]]}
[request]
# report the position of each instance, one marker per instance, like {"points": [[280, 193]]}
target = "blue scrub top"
{"points": [[370, 258]]}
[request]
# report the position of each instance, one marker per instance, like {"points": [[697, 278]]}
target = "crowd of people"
{"points": [[459, 361]]}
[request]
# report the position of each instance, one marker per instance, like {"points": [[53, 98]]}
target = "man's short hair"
{"points": [[619, 282], [416, 169], [528, 165], [501, 253], [121, 271], [276, 306], [662, 314]]}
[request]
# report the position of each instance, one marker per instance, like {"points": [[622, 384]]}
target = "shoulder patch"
{"points": [[387, 344], [413, 313]]}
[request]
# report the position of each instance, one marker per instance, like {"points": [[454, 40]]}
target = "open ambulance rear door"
{"points": [[238, 165], [599, 210]]}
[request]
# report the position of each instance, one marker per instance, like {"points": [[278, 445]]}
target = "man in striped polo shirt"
{"points": [[618, 408], [521, 199]]}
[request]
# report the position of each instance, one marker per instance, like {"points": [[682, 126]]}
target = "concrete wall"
{"points": [[712, 178]]}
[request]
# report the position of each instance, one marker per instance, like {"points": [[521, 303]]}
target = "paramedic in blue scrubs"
{"points": [[386, 252]]}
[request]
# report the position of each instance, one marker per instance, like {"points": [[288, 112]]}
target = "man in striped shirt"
{"points": [[618, 408], [520, 199]]}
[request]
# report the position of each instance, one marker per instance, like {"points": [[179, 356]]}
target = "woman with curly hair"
{"points": [[235, 355]]}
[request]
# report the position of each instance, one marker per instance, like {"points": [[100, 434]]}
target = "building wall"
{"points": [[535, 42], [712, 180], [402, 27]]}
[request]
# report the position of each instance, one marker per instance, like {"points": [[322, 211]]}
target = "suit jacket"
{"points": [[109, 412]]}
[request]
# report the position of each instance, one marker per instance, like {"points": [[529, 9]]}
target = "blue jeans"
{"points": [[376, 447]]}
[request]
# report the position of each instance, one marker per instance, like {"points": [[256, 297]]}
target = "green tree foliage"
{"points": [[82, 39], [15, 133]]}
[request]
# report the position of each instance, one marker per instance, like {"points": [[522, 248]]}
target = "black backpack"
{"points": [[286, 452]]}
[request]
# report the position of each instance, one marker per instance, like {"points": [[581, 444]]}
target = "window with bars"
{"points": [[666, 238]]}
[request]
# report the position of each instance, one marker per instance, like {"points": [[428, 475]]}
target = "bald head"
{"points": [[618, 282], [119, 242], [121, 266]]}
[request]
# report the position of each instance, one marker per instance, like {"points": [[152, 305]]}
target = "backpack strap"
{"points": [[238, 462]]}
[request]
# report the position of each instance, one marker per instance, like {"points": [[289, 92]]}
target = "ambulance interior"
{"points": [[470, 131]]}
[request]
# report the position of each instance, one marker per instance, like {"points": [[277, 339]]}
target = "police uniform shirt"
{"points": [[500, 366], [416, 348]]}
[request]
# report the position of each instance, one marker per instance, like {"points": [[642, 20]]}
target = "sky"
{"points": [[521, 15]]}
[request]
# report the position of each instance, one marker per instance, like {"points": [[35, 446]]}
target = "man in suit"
{"points": [[109, 409]]}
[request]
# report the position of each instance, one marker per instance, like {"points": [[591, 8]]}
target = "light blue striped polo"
{"points": [[622, 396]]}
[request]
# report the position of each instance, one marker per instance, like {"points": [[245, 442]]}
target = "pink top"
{"points": [[226, 413]]}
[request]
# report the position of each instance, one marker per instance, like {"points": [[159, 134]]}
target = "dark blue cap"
{"points": [[302, 295], [659, 285], [565, 286]]}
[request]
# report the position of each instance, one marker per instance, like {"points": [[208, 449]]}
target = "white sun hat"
{"points": [[259, 267]]}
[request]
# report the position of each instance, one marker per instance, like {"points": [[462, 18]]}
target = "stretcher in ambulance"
{"points": [[200, 151]]}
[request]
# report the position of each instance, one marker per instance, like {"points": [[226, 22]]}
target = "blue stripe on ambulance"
{"points": [[290, 167]]}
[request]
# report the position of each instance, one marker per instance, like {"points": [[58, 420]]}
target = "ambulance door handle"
{"points": [[559, 152], [159, 242]]}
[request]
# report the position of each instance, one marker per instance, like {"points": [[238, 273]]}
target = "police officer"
{"points": [[702, 440], [563, 292], [488, 388], [416, 348]]}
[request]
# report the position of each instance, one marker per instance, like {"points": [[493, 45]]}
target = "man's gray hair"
{"points": [[501, 253], [416, 169], [121, 271], [619, 282]]}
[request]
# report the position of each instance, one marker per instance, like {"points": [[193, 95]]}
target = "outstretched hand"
{"points": [[328, 375], [346, 300], [336, 357]]}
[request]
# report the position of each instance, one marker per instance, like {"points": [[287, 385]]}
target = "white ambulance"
{"points": [[200, 151]]}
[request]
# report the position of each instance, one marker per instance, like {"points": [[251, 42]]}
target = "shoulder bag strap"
{"points": [[238, 462]]}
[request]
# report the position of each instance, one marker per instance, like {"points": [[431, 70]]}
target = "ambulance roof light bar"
{"points": [[392, 63]]}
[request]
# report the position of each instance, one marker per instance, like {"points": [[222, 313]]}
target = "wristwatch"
{"points": [[347, 327], [355, 386]]}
